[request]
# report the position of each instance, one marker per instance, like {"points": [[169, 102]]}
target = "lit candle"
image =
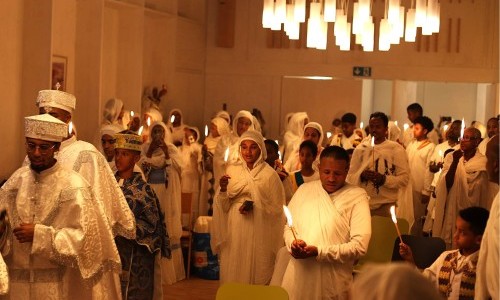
{"points": [[226, 157], [277, 143], [406, 126], [361, 125], [445, 127], [462, 130], [279, 155], [289, 221], [206, 130], [396, 123], [172, 119], [373, 152], [70, 127], [328, 135], [139, 132], [393, 215], [132, 113], [148, 121], [441, 156]]}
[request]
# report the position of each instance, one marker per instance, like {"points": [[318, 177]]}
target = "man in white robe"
{"points": [[463, 183], [420, 152], [492, 130], [57, 242], [487, 272], [332, 223], [382, 170], [86, 160]]}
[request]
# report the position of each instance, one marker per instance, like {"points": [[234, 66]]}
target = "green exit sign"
{"points": [[362, 71]]}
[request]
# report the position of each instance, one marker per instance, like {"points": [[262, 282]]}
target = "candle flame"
{"points": [[70, 127], [226, 154], [393, 214], [277, 143], [288, 216], [172, 119], [328, 134], [279, 155], [139, 132], [441, 153], [148, 121], [132, 113], [396, 123], [445, 127], [406, 126], [361, 125], [463, 129], [206, 130], [373, 141]]}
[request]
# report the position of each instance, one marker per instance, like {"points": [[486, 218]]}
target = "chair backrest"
{"points": [[239, 291], [425, 249], [382, 240]]}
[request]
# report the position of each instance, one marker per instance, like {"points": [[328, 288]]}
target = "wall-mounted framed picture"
{"points": [[59, 70]]}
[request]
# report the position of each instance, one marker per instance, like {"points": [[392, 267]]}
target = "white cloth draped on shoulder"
{"points": [[339, 226], [248, 244]]}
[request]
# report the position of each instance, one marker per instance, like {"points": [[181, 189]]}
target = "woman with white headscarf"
{"points": [[190, 176], [242, 122], [293, 134], [162, 164], [113, 112], [218, 128], [313, 132], [248, 216], [176, 126]]}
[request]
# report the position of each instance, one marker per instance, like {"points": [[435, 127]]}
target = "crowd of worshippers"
{"points": [[104, 221]]}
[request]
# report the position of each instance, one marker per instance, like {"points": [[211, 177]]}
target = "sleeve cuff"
{"points": [[42, 239]]}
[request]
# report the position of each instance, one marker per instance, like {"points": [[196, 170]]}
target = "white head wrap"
{"points": [[296, 123], [58, 99], [170, 116], [154, 114], [319, 128], [255, 136], [222, 125], [110, 129], [393, 131], [245, 114], [225, 115], [392, 281], [45, 127], [112, 110], [168, 135]]}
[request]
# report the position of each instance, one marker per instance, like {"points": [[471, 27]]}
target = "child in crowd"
{"points": [[454, 272]]}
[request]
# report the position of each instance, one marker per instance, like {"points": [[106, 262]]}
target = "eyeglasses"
{"points": [[468, 138], [44, 148]]}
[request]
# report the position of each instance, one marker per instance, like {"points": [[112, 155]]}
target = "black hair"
{"points": [[311, 146], [350, 151], [335, 152], [476, 217], [426, 122], [416, 108], [382, 116], [273, 144], [349, 118]]}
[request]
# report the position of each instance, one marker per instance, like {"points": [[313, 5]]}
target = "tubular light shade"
{"points": [[356, 24], [322, 36], [420, 13], [384, 35], [300, 11], [368, 33], [330, 10], [393, 12], [268, 13], [346, 41], [411, 29], [280, 11]]}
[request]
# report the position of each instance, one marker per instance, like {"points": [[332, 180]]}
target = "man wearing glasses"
{"points": [[463, 183], [54, 237]]}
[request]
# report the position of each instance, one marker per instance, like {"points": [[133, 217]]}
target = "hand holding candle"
{"points": [[393, 215], [289, 221]]}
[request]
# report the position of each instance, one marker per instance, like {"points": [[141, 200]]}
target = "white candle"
{"points": [[462, 130], [148, 121], [226, 158], [206, 130], [289, 221], [395, 220], [373, 152], [139, 132]]}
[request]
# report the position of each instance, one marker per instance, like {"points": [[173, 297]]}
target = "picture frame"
{"points": [[59, 72]]}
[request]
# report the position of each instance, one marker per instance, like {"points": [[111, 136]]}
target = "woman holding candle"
{"points": [[248, 215]]}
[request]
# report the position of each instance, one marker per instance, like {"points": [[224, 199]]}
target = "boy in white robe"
{"points": [[463, 183], [332, 223], [382, 170], [57, 242], [420, 152], [414, 111], [454, 272], [349, 138]]}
